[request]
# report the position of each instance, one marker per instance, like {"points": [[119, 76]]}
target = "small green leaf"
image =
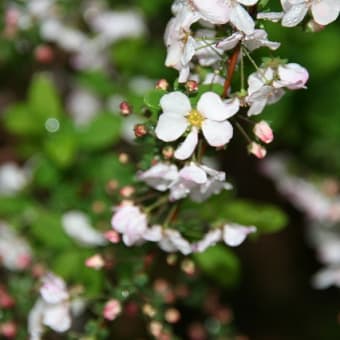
{"points": [[221, 264], [100, 133], [43, 99], [153, 98]]}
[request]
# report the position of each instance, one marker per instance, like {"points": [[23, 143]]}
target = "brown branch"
{"points": [[231, 66]]}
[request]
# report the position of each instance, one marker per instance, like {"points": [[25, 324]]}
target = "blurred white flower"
{"points": [[78, 226], [13, 178], [52, 309], [15, 253], [235, 234]]}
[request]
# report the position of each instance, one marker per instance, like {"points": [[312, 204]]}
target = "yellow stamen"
{"points": [[195, 118]]}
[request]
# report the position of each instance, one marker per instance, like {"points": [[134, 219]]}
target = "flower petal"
{"points": [[175, 103], [170, 126], [235, 234], [242, 20], [294, 15], [193, 173], [214, 11], [186, 149], [325, 11], [217, 133], [212, 106], [230, 42]]}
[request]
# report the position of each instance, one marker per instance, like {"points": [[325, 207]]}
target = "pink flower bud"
{"points": [[43, 54], [162, 84], [111, 309], [24, 261], [293, 76], [140, 130], [96, 262], [112, 236], [263, 132], [125, 108], [191, 86], [8, 329], [257, 150], [6, 301]]}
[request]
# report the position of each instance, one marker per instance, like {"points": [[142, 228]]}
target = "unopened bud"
{"points": [[168, 152], [155, 328], [140, 130], [127, 191], [125, 108], [112, 309], [149, 311], [98, 207], [112, 186], [112, 236], [43, 54], [162, 84], [257, 150], [263, 132], [8, 330], [188, 267], [123, 158], [95, 262], [191, 86], [172, 315]]}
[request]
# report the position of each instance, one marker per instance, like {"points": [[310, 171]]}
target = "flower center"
{"points": [[195, 118]]}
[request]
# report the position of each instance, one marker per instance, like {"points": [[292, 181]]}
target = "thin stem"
{"points": [[243, 132], [231, 66], [162, 200], [242, 70], [251, 59], [171, 215]]}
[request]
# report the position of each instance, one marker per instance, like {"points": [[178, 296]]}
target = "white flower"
{"points": [[292, 76], [173, 241], [222, 11], [53, 289], [77, 225], [160, 176], [12, 178], [15, 253], [131, 222], [327, 277], [323, 11], [235, 234], [83, 106], [52, 309], [261, 92], [114, 25], [210, 239], [252, 41], [211, 116]]}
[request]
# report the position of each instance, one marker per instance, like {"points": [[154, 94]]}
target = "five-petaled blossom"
{"points": [[210, 116], [323, 11]]}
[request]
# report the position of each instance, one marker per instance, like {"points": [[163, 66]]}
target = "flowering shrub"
{"points": [[115, 209]]}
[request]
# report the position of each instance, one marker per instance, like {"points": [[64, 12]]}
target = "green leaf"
{"points": [[153, 98], [47, 229], [219, 263], [46, 174], [61, 147], [100, 133], [13, 205], [43, 99], [71, 266], [19, 120], [267, 218]]}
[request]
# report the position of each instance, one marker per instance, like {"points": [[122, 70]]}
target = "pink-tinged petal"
{"points": [[215, 11], [230, 42], [241, 19], [186, 149], [217, 133], [235, 234], [112, 309], [263, 132], [212, 107], [175, 103], [257, 150], [325, 11], [193, 173], [53, 289], [170, 127], [210, 239], [294, 15], [293, 76]]}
